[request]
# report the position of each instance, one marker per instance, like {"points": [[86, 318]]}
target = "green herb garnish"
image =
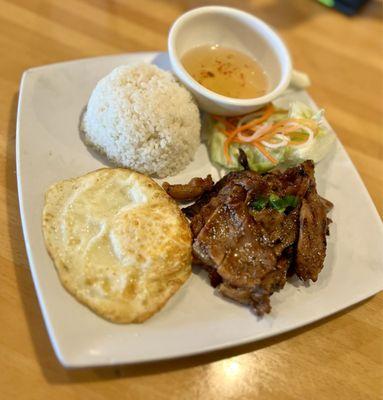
{"points": [[281, 203], [259, 204], [278, 203], [291, 201]]}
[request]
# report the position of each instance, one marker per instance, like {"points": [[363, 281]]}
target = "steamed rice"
{"points": [[141, 118]]}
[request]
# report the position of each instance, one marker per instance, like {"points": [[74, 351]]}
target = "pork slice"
{"points": [[228, 181], [277, 230], [189, 191], [258, 296], [214, 228], [196, 207], [244, 253], [311, 246]]}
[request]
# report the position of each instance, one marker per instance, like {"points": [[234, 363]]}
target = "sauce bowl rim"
{"points": [[272, 38]]}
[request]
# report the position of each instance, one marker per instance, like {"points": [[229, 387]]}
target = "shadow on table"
{"points": [[52, 370]]}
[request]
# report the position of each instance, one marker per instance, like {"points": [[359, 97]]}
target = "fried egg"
{"points": [[119, 243]]}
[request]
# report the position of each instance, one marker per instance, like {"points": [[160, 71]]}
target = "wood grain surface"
{"points": [[340, 357]]}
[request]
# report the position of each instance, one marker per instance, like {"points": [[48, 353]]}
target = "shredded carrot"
{"points": [[262, 149], [226, 145], [224, 121], [268, 111]]}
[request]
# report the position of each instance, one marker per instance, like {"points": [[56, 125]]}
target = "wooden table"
{"points": [[339, 357]]}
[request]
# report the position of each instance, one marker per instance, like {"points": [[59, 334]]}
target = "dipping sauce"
{"points": [[226, 71]]}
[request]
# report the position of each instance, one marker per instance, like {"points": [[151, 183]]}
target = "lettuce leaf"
{"points": [[322, 142]]}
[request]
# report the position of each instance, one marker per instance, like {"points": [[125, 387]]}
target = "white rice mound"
{"points": [[141, 118]]}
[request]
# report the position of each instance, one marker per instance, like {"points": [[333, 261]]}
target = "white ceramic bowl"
{"points": [[236, 29]]}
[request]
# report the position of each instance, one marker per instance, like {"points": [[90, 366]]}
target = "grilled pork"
{"points": [[251, 230]]}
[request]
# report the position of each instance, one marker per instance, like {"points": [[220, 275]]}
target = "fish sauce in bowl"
{"points": [[226, 71]]}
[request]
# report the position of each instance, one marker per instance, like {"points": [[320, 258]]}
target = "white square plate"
{"points": [[195, 320]]}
